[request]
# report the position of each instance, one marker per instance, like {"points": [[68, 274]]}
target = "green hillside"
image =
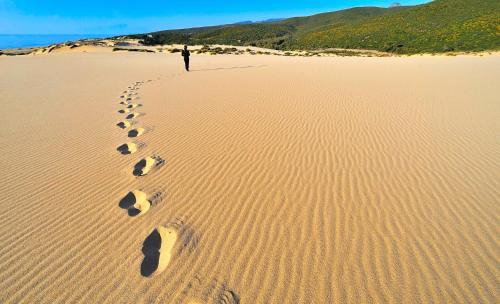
{"points": [[441, 25]]}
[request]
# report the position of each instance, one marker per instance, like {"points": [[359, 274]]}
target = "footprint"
{"points": [[214, 292], [132, 115], [134, 105], [124, 111], [136, 203], [157, 198], [132, 198], [145, 165], [136, 132], [127, 148], [124, 125], [158, 250], [124, 103]]}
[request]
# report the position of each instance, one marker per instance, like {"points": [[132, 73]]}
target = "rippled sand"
{"points": [[251, 179]]}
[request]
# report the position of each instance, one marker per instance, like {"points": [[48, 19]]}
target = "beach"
{"points": [[257, 179]]}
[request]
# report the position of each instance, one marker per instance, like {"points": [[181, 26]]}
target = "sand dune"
{"points": [[289, 180]]}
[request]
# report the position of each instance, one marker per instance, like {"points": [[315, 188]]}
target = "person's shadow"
{"points": [[229, 68]]}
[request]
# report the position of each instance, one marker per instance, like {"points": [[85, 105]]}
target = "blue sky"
{"points": [[127, 16]]}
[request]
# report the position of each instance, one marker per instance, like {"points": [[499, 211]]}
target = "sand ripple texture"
{"points": [[304, 180]]}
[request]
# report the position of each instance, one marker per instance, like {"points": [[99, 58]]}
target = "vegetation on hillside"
{"points": [[438, 26], [443, 25]]}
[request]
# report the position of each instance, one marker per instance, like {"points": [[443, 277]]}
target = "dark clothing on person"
{"points": [[186, 54]]}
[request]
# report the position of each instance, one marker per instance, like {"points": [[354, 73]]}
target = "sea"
{"points": [[26, 41]]}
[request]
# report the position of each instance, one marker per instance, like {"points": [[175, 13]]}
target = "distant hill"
{"points": [[263, 21], [438, 26], [243, 22]]}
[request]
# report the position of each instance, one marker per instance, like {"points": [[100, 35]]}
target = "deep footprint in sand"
{"points": [[124, 111], [132, 115], [128, 148], [145, 165], [124, 124], [136, 203], [158, 250], [136, 132], [133, 106]]}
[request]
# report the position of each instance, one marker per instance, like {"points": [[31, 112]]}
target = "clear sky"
{"points": [[134, 16]]}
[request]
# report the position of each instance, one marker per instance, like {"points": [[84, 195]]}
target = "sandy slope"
{"points": [[271, 180]]}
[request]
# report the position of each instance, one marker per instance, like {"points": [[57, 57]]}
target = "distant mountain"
{"points": [[271, 20], [263, 21], [243, 22], [438, 26]]}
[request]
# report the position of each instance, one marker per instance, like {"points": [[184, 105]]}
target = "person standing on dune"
{"points": [[186, 54]]}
